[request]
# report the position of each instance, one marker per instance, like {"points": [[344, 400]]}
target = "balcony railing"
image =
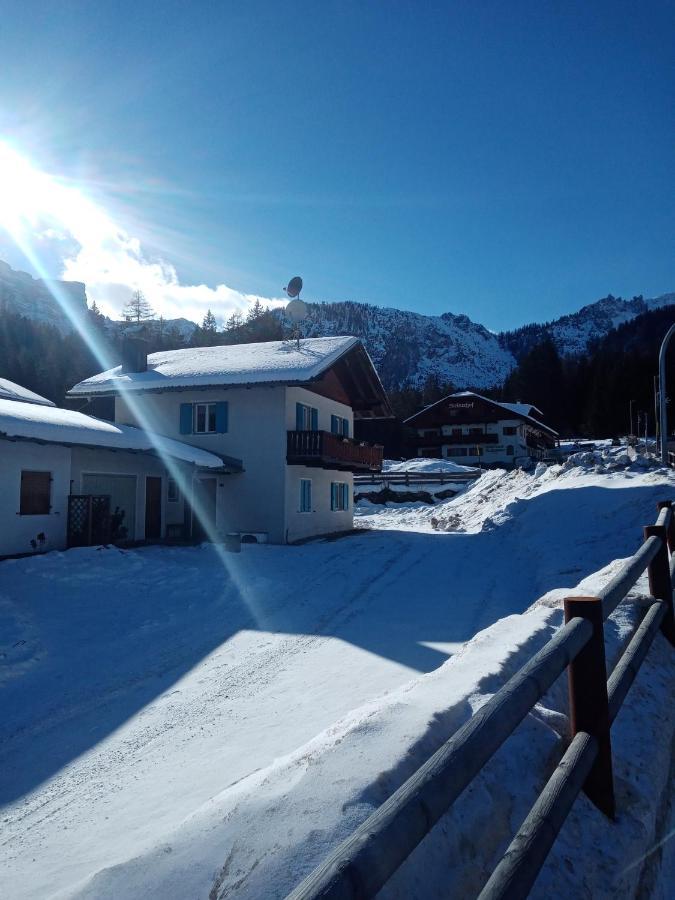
{"points": [[332, 451]]}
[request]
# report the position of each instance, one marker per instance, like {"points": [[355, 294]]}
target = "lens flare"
{"points": [[29, 198]]}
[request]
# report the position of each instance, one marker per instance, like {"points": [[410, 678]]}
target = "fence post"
{"points": [[671, 529], [660, 585], [589, 711]]}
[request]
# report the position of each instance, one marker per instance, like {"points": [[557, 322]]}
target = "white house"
{"points": [[67, 479], [280, 413], [472, 430]]}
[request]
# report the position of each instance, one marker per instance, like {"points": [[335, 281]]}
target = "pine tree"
{"points": [[138, 309], [234, 321], [255, 311], [209, 322]]}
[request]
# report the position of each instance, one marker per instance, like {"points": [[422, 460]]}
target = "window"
{"points": [[339, 425], [510, 429], [36, 489], [474, 451], [173, 494], [204, 418], [456, 432], [475, 431], [339, 496], [305, 495], [456, 451], [509, 450], [306, 417]]}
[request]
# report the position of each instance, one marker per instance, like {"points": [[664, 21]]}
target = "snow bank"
{"points": [[65, 426], [424, 464], [262, 835]]}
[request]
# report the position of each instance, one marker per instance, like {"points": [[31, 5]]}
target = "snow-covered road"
{"points": [[136, 685]]}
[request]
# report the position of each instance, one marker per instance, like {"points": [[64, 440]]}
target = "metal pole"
{"points": [[663, 394], [656, 415]]}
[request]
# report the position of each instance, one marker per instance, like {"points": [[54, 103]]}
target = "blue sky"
{"points": [[508, 161]]}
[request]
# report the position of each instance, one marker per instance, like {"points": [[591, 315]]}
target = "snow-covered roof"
{"points": [[523, 409], [47, 424], [11, 391], [238, 364]]}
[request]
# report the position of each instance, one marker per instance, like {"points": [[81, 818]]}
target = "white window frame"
{"points": [[307, 416], [303, 482], [207, 418], [342, 496]]}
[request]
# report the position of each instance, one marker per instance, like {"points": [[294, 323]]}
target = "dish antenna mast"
{"points": [[297, 308]]}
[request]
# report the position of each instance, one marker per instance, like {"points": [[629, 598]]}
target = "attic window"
{"points": [[36, 489]]}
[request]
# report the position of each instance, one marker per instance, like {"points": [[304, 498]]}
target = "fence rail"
{"points": [[417, 478], [362, 864]]}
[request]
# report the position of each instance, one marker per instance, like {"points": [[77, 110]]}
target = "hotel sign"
{"points": [[461, 405]]}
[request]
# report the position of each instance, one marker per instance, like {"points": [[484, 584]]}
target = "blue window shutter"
{"points": [[345, 427], [333, 495], [221, 417], [298, 417], [345, 496], [186, 418], [335, 425], [315, 419]]}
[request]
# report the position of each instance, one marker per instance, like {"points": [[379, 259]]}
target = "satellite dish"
{"points": [[296, 310], [294, 287]]}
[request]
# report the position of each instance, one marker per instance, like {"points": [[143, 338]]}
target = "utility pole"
{"points": [[663, 394], [630, 427]]}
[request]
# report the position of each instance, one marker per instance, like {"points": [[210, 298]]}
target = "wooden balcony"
{"points": [[324, 450]]}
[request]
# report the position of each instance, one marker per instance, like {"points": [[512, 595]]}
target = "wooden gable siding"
{"points": [[330, 386], [461, 411], [352, 380]]}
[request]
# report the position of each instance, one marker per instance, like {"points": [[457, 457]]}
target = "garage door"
{"points": [[122, 490]]}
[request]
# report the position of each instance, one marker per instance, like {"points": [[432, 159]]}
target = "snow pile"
{"points": [[612, 459], [262, 363], [423, 464], [65, 426], [313, 798]]}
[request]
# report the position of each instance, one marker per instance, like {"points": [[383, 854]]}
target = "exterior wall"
{"points": [[322, 519], [250, 501], [326, 408], [86, 461], [265, 497], [16, 531], [491, 454]]}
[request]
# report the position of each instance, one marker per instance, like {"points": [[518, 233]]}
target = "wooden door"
{"points": [[153, 508]]}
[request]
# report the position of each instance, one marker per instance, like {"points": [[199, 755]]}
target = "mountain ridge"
{"points": [[408, 347]]}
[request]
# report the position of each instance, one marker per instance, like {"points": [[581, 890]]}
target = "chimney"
{"points": [[134, 354]]}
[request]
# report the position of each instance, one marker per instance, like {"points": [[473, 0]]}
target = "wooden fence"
{"points": [[416, 478], [364, 862]]}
